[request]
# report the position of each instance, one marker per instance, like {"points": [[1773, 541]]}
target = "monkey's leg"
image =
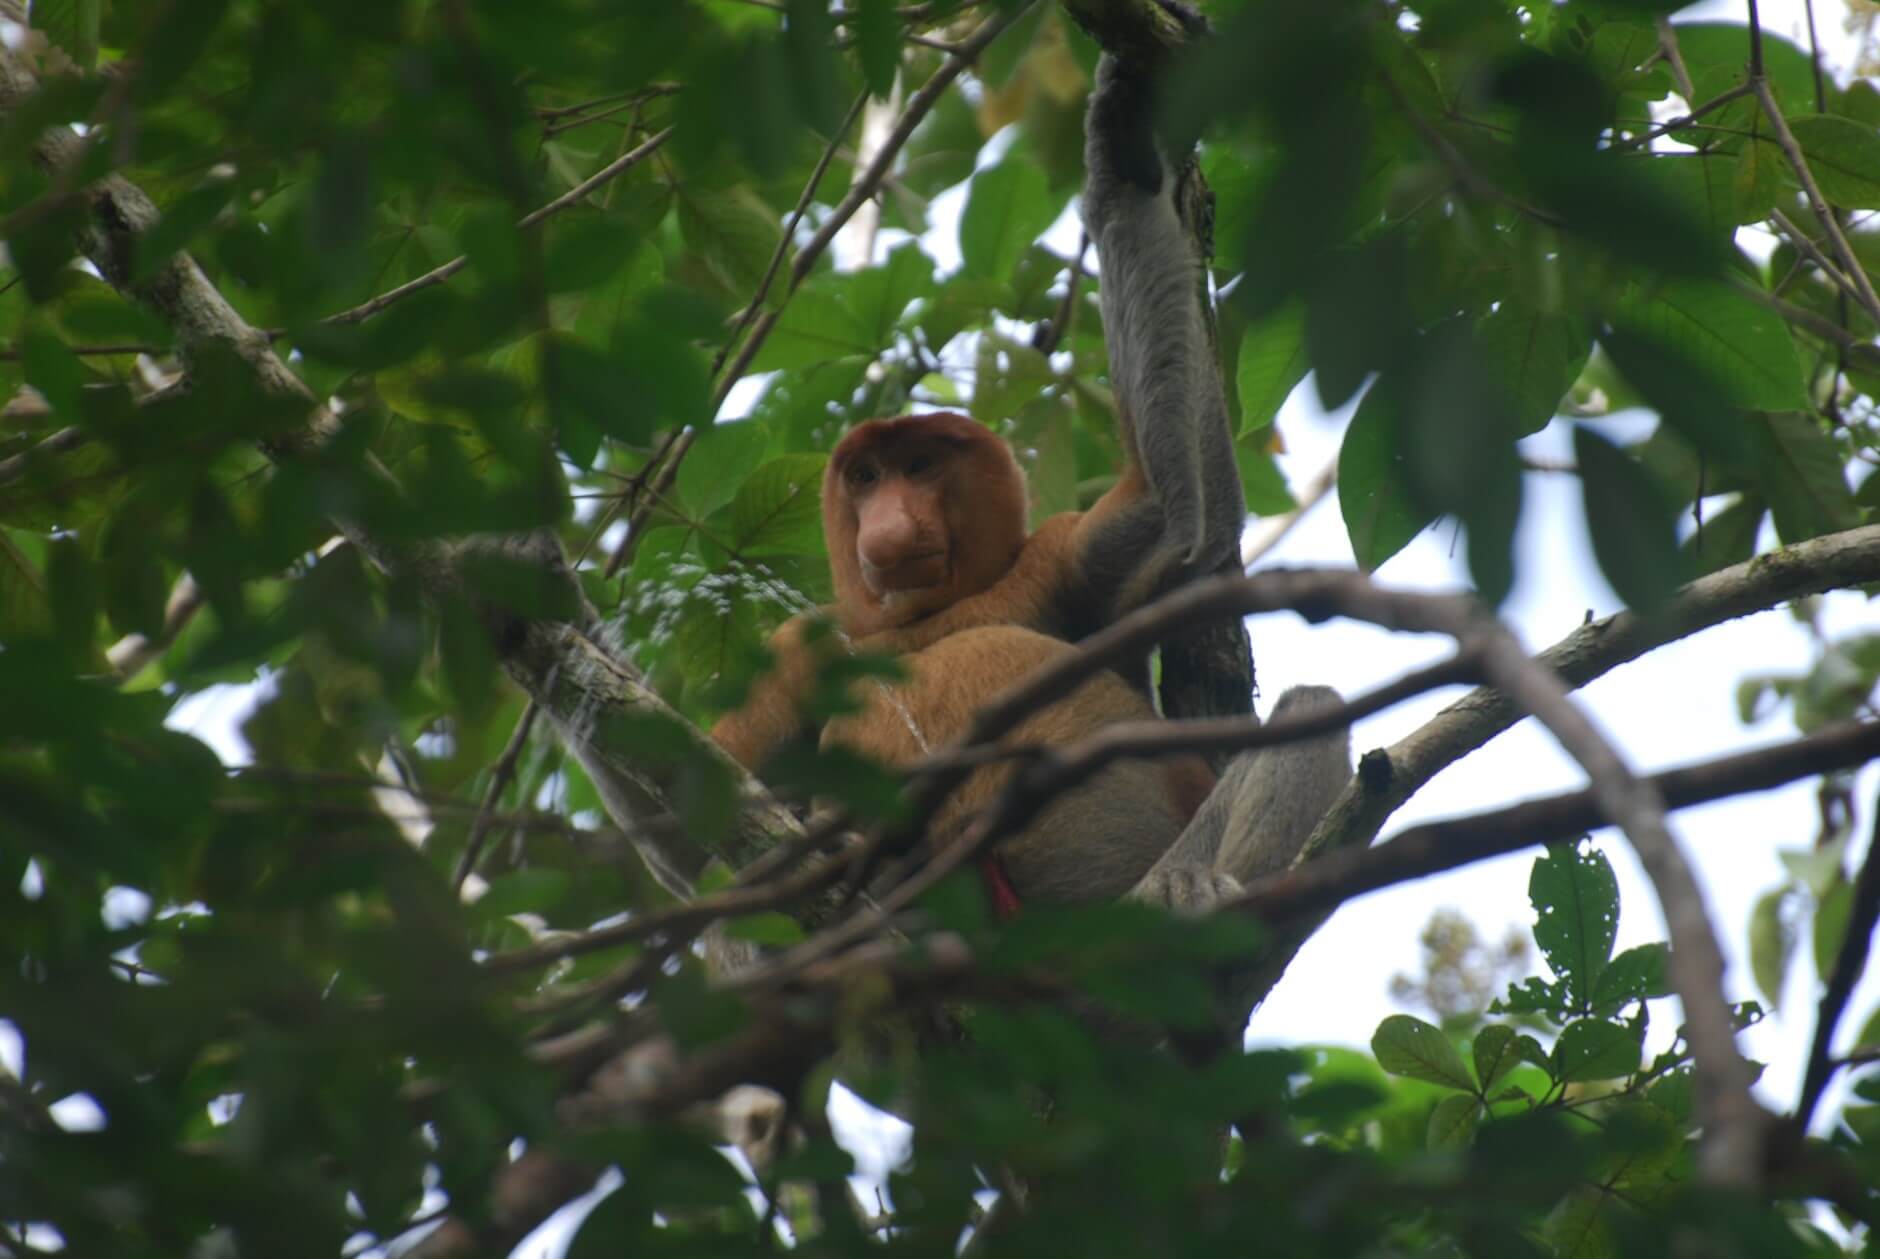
{"points": [[1257, 818]]}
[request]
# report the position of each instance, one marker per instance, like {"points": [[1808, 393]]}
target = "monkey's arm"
{"points": [[772, 714], [1179, 507]]}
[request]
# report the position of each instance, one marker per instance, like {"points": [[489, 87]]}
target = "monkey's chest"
{"points": [[948, 683]]}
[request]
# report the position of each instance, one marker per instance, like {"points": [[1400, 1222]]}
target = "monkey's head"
{"points": [[918, 513]]}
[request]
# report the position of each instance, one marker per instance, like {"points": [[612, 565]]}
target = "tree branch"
{"points": [[1824, 213], [1849, 964], [1832, 562], [1321, 885]]}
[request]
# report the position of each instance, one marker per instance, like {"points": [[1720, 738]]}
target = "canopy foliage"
{"points": [[1477, 217]]}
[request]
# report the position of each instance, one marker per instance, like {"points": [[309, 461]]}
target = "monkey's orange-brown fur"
{"points": [[924, 517]]}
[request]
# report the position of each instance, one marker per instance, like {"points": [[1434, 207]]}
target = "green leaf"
{"points": [[1409, 1046], [1728, 537], [1260, 479], [1724, 46], [1496, 1052], [1380, 514], [524, 892], [71, 26], [1869, 1037], [53, 370], [816, 327], [1272, 361], [1004, 55], [1771, 943], [1633, 526], [1637, 974], [1758, 179], [1843, 156], [1595, 1050], [584, 384], [1831, 917], [733, 232], [1819, 868], [1801, 473], [881, 295], [1576, 900], [23, 607], [878, 44], [778, 510], [1452, 1122], [1006, 208], [1745, 348], [1537, 355], [719, 461]]}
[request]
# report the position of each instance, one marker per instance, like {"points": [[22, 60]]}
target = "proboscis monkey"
{"points": [[925, 522]]}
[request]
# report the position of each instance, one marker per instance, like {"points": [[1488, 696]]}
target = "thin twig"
{"points": [[1678, 124], [1849, 964], [1810, 322], [1668, 47], [869, 180], [1060, 324], [1813, 253], [660, 473], [14, 467], [1271, 530], [129, 654], [1824, 212], [789, 233], [9, 354], [492, 795], [438, 275]]}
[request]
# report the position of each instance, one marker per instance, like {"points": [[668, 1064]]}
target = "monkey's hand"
{"points": [[1179, 513], [1185, 889]]}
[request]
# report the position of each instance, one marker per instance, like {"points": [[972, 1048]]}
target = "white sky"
{"points": [[1673, 706]]}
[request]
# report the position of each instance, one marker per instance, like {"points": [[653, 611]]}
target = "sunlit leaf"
{"points": [[1006, 208]]}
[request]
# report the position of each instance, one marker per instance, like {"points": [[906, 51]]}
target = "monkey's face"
{"points": [[919, 512], [902, 544]]}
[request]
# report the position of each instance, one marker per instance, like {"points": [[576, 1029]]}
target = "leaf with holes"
{"points": [[1596, 1050], [1576, 903]]}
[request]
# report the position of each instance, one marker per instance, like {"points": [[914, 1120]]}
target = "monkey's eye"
{"points": [[863, 474], [920, 464]]}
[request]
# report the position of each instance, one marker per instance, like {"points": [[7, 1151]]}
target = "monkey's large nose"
{"points": [[888, 534]]}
